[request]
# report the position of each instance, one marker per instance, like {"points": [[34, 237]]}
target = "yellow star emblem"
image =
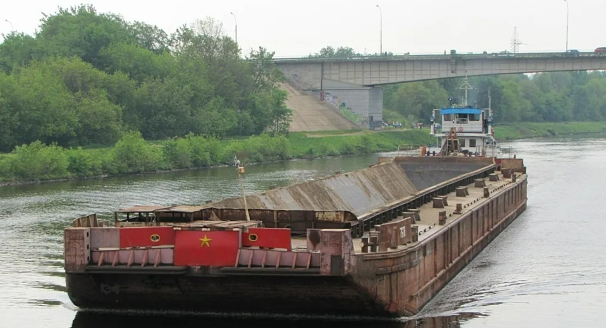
{"points": [[205, 241]]}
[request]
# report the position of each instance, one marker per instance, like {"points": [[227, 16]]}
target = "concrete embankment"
{"points": [[311, 114]]}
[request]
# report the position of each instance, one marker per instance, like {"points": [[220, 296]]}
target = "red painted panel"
{"points": [[206, 248], [146, 236], [267, 237]]}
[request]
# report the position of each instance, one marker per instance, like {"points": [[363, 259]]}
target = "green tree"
{"points": [[17, 49], [46, 107], [81, 31], [139, 63], [164, 108]]}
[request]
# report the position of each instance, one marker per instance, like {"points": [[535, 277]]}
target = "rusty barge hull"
{"points": [[358, 269], [236, 293]]}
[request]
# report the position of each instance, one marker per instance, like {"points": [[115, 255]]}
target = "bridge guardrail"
{"points": [[444, 57]]}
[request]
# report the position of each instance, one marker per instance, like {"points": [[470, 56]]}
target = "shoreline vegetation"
{"points": [[38, 162], [191, 98]]}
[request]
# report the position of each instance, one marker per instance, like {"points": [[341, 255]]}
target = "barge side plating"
{"points": [[381, 241]]}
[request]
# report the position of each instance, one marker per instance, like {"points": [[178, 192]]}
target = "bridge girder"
{"points": [[376, 71]]}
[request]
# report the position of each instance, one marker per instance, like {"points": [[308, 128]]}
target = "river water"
{"points": [[547, 269]]}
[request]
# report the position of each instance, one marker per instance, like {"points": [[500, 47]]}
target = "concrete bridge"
{"points": [[356, 81]]}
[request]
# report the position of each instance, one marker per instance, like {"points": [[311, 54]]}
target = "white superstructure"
{"points": [[471, 126]]}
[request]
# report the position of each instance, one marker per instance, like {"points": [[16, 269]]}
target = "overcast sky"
{"points": [[298, 28]]}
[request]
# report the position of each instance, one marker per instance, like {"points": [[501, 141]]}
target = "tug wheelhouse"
{"points": [[473, 128]]}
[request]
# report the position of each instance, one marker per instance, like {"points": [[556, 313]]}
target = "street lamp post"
{"points": [[236, 21], [12, 29], [566, 25], [381, 31]]}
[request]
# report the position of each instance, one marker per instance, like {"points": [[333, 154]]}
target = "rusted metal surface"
{"points": [[196, 224], [328, 275], [394, 233], [409, 277], [330, 216], [181, 209], [86, 221], [77, 249], [104, 238], [283, 218], [392, 283], [216, 225], [240, 290], [133, 257], [140, 209], [313, 239], [358, 192], [259, 258], [336, 249], [438, 202], [516, 164], [462, 191], [425, 172]]}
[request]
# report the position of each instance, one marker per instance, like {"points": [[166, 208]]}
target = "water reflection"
{"points": [[86, 319]]}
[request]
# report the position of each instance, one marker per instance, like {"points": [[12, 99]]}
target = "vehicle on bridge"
{"points": [[601, 50], [572, 53]]}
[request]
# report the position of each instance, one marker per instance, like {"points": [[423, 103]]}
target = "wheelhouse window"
{"points": [[462, 142], [472, 142], [462, 118], [447, 117], [474, 117]]}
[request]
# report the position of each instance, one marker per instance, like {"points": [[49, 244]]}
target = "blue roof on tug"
{"points": [[460, 111]]}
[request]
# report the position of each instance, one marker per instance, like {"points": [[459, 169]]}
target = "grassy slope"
{"points": [[384, 140]]}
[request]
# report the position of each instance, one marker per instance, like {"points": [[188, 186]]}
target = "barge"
{"points": [[381, 241]]}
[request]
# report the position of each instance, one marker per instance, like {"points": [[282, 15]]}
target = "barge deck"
{"points": [[381, 241], [430, 223]]}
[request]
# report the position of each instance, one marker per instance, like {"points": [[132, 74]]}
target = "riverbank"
{"points": [[132, 155], [38, 162]]}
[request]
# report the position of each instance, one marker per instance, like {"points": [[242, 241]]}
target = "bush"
{"points": [[133, 154], [177, 153], [37, 160], [5, 169], [204, 152], [348, 147], [365, 144], [79, 162], [322, 150]]}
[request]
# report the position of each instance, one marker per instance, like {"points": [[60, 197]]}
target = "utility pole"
{"points": [[236, 22], [566, 25], [381, 31], [515, 42]]}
